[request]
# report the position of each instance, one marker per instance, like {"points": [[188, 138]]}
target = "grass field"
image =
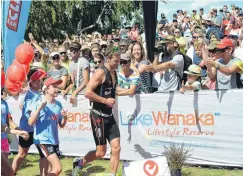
{"points": [[98, 167]]}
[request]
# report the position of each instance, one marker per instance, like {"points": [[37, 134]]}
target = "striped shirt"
{"points": [[145, 78], [133, 79]]}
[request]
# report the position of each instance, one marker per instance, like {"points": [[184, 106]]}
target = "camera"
{"points": [[159, 49]]}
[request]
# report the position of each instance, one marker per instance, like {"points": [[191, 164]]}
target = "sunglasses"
{"points": [[197, 37], [232, 37], [55, 42], [63, 53], [97, 62], [103, 46], [123, 62], [56, 57], [222, 50], [73, 49]]}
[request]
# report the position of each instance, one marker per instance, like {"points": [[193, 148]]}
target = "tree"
{"points": [[49, 19]]}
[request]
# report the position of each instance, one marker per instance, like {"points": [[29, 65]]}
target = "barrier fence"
{"points": [[209, 122]]}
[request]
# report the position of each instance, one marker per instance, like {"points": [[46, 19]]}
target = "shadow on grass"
{"points": [[95, 169], [26, 163], [81, 173]]}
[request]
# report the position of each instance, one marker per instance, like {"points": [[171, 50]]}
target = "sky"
{"points": [[174, 5]]}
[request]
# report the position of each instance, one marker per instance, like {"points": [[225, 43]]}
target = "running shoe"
{"points": [[76, 167]]}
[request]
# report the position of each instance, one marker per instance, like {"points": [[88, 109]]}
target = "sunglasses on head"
{"points": [[56, 57], [97, 62], [73, 49], [123, 62], [63, 53]]}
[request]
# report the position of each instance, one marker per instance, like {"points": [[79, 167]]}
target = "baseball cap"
{"points": [[213, 45], [36, 74], [117, 39], [54, 53], [208, 19], [75, 45], [224, 43], [168, 39], [103, 43], [51, 81], [84, 47], [125, 56]]}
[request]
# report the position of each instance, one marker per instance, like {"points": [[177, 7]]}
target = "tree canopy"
{"points": [[51, 19]]}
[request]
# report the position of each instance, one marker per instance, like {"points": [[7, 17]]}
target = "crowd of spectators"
{"points": [[210, 43]]}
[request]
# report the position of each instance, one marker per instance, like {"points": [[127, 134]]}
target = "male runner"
{"points": [[101, 91]]}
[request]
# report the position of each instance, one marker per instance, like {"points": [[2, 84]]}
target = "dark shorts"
{"points": [[26, 143], [47, 149], [104, 128]]}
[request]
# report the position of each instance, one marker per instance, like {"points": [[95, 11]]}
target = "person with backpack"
{"points": [[171, 65]]}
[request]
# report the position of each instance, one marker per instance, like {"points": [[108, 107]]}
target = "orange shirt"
{"points": [[225, 24]]}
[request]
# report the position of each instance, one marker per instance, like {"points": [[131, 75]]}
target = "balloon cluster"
{"points": [[17, 72]]}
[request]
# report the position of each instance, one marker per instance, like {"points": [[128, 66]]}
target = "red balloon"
{"points": [[13, 87], [2, 78], [26, 67], [16, 72], [24, 53]]}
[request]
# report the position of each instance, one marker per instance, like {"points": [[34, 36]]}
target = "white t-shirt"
{"points": [[170, 80], [191, 52], [196, 84]]}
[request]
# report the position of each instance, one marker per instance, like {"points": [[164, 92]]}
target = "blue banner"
{"points": [[14, 20]]}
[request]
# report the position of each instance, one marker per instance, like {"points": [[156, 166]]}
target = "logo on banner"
{"points": [[150, 168], [13, 14], [164, 118]]}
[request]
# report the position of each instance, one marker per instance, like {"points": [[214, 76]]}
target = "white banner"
{"points": [[208, 122]]}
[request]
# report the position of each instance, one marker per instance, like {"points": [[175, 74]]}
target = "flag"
{"points": [[14, 20]]}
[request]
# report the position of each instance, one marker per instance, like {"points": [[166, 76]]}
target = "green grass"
{"points": [[96, 168]]}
